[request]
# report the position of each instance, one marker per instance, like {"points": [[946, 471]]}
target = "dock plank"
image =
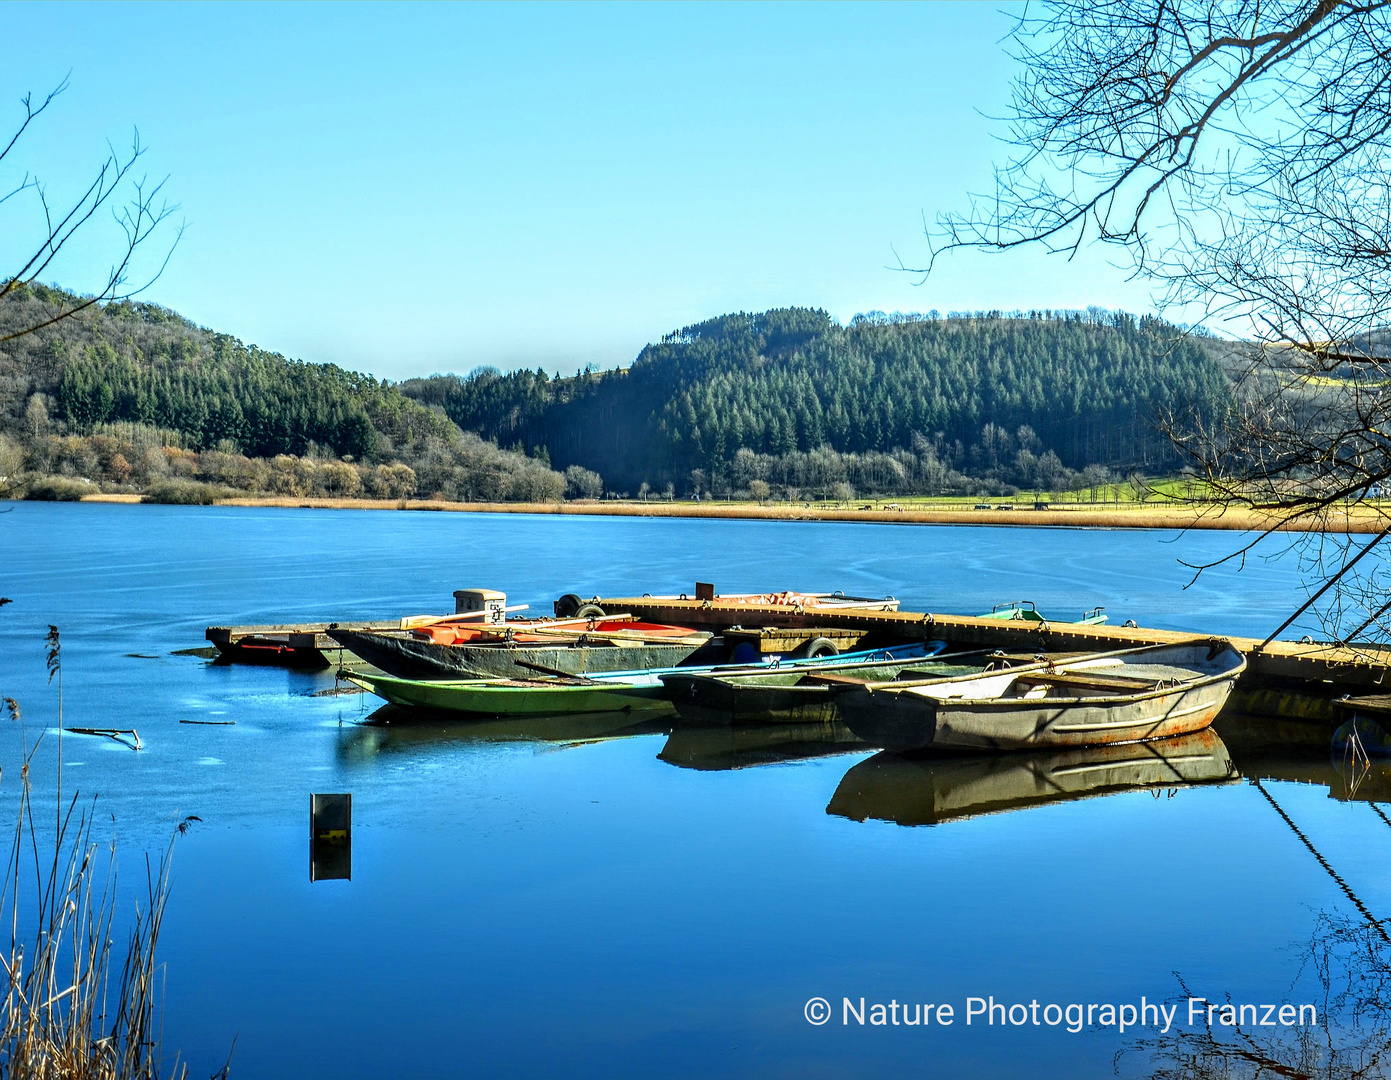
{"points": [[1355, 665], [292, 635]]}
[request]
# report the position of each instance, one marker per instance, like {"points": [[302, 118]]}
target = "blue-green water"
{"points": [[582, 907]]}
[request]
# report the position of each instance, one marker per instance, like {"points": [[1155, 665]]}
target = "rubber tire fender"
{"points": [[818, 646], [567, 605]]}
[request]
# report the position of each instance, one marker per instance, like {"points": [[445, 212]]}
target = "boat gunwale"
{"points": [[499, 683], [1098, 700], [479, 694], [802, 669], [1043, 665]]}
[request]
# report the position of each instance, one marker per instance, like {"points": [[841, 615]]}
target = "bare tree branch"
{"points": [[137, 219], [1240, 154]]}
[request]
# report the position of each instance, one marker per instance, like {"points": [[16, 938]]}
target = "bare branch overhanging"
{"points": [[137, 220], [1240, 154]]}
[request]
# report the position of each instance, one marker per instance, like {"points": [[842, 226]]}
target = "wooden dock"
{"points": [[290, 643], [1286, 678], [1345, 665]]}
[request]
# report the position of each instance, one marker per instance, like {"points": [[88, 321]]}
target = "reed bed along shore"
{"points": [[72, 1007], [1073, 516]]}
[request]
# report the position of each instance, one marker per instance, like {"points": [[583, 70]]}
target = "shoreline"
{"points": [[1085, 516]]}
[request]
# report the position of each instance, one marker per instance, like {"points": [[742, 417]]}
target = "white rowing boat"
{"points": [[1154, 692]]}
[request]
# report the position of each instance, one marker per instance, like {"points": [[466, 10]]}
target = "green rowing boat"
{"points": [[1025, 611], [513, 697]]}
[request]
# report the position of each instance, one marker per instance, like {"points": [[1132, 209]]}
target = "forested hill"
{"points": [[786, 402], [1088, 387], [133, 398], [144, 364]]}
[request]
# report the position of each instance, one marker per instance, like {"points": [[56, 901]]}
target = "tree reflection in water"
{"points": [[1345, 968], [1347, 963]]}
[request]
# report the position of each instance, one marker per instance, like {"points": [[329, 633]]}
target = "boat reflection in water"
{"points": [[739, 746], [929, 791], [396, 730]]}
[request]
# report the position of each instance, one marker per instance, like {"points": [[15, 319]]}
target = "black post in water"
{"points": [[330, 837]]}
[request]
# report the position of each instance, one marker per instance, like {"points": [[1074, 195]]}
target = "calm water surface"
{"points": [[602, 902]]}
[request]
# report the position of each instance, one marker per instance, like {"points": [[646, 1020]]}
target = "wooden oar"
{"points": [[431, 620], [550, 627], [831, 679], [410, 622], [694, 637], [623, 617], [567, 675]]}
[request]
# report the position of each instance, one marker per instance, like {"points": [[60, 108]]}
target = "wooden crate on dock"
{"points": [[782, 640]]}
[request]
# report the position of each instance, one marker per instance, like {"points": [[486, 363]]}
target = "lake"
{"points": [[613, 899]]}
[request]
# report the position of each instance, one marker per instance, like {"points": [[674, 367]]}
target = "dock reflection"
{"points": [[933, 790], [736, 746], [395, 730], [1308, 752]]}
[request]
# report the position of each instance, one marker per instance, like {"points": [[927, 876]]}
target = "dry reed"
{"points": [[74, 1007]]}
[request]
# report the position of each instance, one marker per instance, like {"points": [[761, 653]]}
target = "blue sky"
{"points": [[406, 189]]}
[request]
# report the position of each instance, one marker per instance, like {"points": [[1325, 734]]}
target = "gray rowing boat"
{"points": [[408, 656], [795, 695], [1154, 692]]}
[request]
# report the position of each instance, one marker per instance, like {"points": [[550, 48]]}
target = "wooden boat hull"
{"points": [[782, 696], [929, 791], [483, 697], [940, 715], [408, 657], [767, 706]]}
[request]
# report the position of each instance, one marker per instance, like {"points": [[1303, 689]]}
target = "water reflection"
{"points": [[932, 790], [395, 730], [917, 790], [1264, 748], [734, 746], [1345, 964], [1345, 969]]}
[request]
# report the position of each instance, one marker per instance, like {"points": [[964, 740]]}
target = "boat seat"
{"points": [[1085, 680], [832, 679]]}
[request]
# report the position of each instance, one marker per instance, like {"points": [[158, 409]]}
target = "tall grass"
{"points": [[82, 991]]}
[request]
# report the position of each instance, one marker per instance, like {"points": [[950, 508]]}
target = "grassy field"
{"points": [[1130, 514]]}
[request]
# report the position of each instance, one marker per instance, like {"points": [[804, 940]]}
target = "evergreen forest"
{"points": [[786, 403], [938, 402]]}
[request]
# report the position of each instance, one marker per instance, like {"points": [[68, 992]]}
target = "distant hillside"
{"points": [[785, 384], [133, 397], [785, 403], [145, 364]]}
